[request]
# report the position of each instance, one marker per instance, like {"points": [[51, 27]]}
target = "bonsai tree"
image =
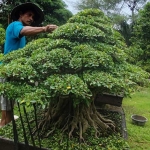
{"points": [[64, 72]]}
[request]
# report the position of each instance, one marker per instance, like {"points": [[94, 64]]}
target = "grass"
{"points": [[138, 136]]}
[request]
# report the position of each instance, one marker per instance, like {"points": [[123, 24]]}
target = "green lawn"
{"points": [[138, 137]]}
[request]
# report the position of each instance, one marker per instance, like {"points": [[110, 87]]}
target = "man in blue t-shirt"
{"points": [[14, 39], [25, 19]]}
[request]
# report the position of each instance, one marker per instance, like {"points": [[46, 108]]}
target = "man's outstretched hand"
{"points": [[50, 28]]}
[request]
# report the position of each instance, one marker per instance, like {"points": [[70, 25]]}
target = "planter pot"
{"points": [[108, 99], [139, 120], [7, 144]]}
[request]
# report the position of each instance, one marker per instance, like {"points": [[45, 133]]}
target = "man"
{"points": [[25, 17]]}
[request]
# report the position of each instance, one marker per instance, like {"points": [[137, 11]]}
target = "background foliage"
{"points": [[2, 37], [55, 11], [141, 37]]}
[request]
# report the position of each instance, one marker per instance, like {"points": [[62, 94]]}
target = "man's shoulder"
{"points": [[15, 23]]}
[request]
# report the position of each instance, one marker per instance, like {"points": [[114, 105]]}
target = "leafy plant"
{"points": [[140, 38], [65, 72], [2, 38]]}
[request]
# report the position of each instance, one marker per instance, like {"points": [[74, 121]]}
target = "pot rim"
{"points": [[144, 119]]}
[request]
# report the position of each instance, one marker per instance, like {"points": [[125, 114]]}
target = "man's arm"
{"points": [[29, 30]]}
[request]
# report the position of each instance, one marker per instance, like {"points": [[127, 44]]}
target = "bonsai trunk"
{"points": [[65, 116]]}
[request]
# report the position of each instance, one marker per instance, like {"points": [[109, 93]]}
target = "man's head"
{"points": [[28, 13], [27, 17]]}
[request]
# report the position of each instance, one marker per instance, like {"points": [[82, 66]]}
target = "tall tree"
{"points": [[141, 36], [114, 9], [109, 6], [134, 6], [105, 5]]}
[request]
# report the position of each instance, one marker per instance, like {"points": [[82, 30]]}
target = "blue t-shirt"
{"points": [[14, 40]]}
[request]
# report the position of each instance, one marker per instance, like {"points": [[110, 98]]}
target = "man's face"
{"points": [[27, 18]]}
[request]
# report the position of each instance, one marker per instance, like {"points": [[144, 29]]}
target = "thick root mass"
{"points": [[74, 121]]}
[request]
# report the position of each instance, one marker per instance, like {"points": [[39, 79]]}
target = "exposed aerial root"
{"points": [[80, 132], [74, 120], [50, 132]]}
